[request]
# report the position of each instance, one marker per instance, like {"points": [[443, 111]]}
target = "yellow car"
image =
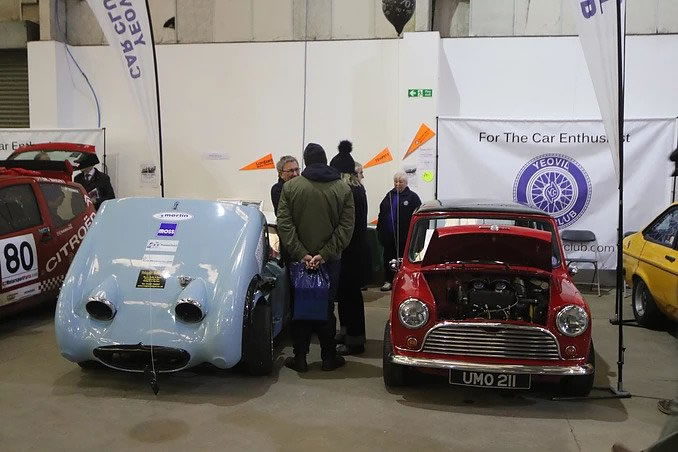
{"points": [[651, 268]]}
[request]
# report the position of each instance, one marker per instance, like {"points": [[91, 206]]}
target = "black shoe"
{"points": [[334, 363], [343, 349], [297, 362]]}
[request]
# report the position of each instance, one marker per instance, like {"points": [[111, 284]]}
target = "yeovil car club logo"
{"points": [[555, 184]]}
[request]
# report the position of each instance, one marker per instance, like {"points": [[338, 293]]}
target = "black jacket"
{"points": [[98, 187], [408, 202], [276, 189], [354, 266]]}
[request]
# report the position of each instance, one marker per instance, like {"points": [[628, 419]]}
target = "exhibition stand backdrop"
{"points": [[562, 167]]}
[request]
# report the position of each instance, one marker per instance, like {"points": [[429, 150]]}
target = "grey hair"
{"points": [[284, 160], [400, 175], [351, 179], [358, 167]]}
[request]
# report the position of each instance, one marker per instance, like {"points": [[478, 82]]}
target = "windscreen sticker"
{"points": [[162, 246], [158, 260], [18, 260], [167, 230], [150, 279], [19, 294], [173, 216]]}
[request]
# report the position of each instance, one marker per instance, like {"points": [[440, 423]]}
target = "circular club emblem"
{"points": [[555, 184]]}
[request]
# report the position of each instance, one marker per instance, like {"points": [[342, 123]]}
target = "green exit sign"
{"points": [[415, 92]]}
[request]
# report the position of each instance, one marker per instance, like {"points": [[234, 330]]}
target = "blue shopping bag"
{"points": [[311, 292]]}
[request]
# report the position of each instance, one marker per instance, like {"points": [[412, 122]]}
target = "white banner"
{"points": [[597, 26], [126, 27], [560, 167], [10, 139]]}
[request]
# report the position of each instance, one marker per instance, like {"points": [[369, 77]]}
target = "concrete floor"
{"points": [[48, 403]]}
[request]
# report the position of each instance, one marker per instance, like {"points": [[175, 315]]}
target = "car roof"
{"points": [[477, 205], [56, 146]]}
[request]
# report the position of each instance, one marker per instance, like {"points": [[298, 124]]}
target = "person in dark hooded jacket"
{"points": [[315, 224], [395, 213], [352, 274]]}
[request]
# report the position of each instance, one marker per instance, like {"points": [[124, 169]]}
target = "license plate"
{"points": [[490, 379]]}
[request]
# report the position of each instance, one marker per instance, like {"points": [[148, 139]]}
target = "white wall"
{"points": [[245, 100], [240, 100], [547, 78]]}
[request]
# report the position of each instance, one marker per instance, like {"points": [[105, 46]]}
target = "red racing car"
{"points": [[483, 296], [43, 219]]}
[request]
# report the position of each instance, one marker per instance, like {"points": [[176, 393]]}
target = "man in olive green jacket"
{"points": [[315, 223]]}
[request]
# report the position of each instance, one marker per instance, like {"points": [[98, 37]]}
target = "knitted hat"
{"points": [[314, 153], [343, 162]]}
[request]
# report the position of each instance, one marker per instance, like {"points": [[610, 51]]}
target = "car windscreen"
{"points": [[425, 227]]}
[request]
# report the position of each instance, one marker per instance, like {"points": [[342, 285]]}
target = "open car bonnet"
{"points": [[511, 245]]}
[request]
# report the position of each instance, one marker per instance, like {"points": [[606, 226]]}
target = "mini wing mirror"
{"points": [[395, 264], [572, 269]]}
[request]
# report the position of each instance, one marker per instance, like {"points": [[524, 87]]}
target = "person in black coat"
{"points": [[96, 184], [395, 213], [288, 168], [352, 275]]}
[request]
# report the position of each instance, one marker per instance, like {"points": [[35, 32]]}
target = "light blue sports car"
{"points": [[161, 285]]}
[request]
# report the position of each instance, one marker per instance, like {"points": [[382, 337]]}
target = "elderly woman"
{"points": [[395, 213]]}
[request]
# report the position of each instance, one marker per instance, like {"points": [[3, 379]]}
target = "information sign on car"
{"points": [[489, 379]]}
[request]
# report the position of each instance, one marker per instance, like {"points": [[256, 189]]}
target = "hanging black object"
{"points": [[398, 12], [674, 158]]}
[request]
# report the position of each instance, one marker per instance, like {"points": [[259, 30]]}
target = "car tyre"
{"points": [[581, 385], [259, 344], [644, 308], [394, 374]]}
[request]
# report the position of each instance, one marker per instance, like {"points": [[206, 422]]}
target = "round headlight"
{"points": [[413, 313], [572, 321]]}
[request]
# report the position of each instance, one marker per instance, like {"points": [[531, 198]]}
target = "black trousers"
{"points": [[302, 330], [351, 311]]}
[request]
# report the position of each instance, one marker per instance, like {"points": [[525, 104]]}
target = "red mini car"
{"points": [[42, 223], [483, 296]]}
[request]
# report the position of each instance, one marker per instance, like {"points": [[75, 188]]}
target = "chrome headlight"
{"points": [[413, 313], [572, 320]]}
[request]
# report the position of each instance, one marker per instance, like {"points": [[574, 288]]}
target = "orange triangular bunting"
{"points": [[383, 157], [423, 135], [265, 162]]}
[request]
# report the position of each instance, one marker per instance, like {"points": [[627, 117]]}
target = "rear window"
{"points": [[424, 228], [64, 202], [18, 209]]}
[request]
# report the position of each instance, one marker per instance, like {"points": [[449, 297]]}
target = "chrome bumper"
{"points": [[585, 369]]}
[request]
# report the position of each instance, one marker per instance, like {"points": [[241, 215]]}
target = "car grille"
{"points": [[138, 357], [492, 341]]}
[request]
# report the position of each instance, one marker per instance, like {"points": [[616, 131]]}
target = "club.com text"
{"points": [[575, 247]]}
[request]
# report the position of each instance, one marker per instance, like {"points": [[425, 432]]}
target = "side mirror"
{"points": [[395, 264], [572, 269]]}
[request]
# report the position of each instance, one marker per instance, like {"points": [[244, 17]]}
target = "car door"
{"points": [[24, 241], [659, 258], [68, 214]]}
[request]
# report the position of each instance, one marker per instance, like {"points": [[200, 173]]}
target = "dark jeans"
{"points": [[302, 330], [351, 312]]}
